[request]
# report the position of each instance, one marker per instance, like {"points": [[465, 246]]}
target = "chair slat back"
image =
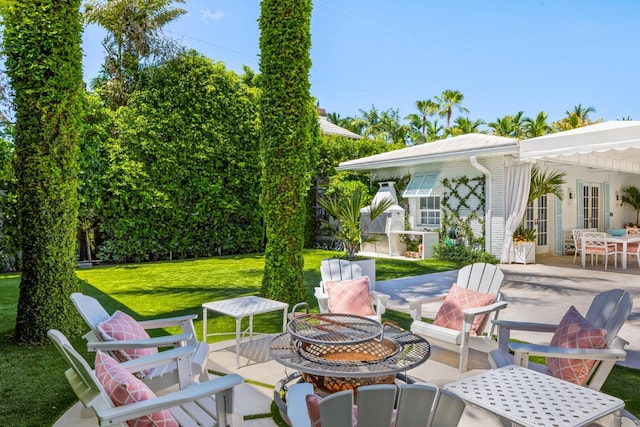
{"points": [[633, 231], [339, 269], [412, 398], [336, 409], [83, 381], [609, 310], [449, 409], [90, 309], [481, 277], [375, 405], [594, 239]]}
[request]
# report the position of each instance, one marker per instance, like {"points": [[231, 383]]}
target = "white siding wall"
{"points": [[455, 169]]}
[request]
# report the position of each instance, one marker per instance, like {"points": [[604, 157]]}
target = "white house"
{"points": [[599, 160]]}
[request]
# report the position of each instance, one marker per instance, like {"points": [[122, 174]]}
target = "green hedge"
{"points": [[183, 170]]}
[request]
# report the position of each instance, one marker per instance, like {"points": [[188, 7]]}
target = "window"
{"points": [[420, 185], [430, 211]]}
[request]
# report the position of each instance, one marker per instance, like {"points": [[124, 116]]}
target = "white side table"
{"points": [[530, 398], [240, 308]]}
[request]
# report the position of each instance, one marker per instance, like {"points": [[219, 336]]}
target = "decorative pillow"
{"points": [[313, 409], [120, 326], [575, 332], [450, 313], [350, 296], [123, 388]]}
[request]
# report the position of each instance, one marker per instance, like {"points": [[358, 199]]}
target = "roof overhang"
{"points": [[613, 145], [462, 146]]}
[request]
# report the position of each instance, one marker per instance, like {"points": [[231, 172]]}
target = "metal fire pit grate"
{"points": [[350, 354], [334, 328]]}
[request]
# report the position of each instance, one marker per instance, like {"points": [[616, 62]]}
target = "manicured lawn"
{"points": [[33, 389], [32, 385]]}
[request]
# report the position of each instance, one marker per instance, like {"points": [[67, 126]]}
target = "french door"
{"points": [[591, 206], [537, 218]]}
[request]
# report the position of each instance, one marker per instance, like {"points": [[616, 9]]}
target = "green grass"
{"points": [[34, 392]]}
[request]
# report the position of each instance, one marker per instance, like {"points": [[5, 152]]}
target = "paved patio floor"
{"points": [[540, 292]]}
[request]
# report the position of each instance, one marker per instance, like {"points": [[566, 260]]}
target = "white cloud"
{"points": [[208, 15]]}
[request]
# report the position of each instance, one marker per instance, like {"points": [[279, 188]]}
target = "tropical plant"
{"points": [[134, 33], [631, 196], [576, 118], [345, 211], [464, 125], [447, 101], [537, 126], [508, 126]]}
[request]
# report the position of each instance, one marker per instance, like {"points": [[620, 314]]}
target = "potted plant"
{"points": [[631, 196], [542, 183]]}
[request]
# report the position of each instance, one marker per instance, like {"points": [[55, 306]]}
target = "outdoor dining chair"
{"points": [[577, 240], [595, 243]]}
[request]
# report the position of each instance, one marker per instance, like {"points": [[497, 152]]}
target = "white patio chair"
{"points": [[577, 240], [479, 278], [339, 270], [207, 403], [162, 376], [609, 310], [595, 243], [418, 405]]}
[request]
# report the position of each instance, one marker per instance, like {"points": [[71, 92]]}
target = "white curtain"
{"points": [[517, 183]]}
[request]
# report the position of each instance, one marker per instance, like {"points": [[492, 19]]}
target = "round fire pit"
{"points": [[359, 354]]}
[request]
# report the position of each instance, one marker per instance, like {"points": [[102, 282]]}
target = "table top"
{"points": [[245, 306], [531, 398], [408, 351], [334, 328]]}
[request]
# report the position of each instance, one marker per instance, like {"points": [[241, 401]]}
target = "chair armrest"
{"points": [[525, 326], [522, 351], [470, 313], [380, 301], [415, 305], [167, 322], [164, 341], [197, 391], [162, 358], [323, 299]]}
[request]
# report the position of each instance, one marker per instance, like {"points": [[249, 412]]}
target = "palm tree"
{"points": [[426, 108], [463, 125], [631, 196], [576, 118], [508, 126], [447, 101], [545, 182], [434, 131], [134, 32], [581, 112], [536, 127]]}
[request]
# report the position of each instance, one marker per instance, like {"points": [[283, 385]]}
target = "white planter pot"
{"points": [[524, 252], [368, 267]]}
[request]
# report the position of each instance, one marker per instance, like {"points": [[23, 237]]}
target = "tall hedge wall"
{"points": [[287, 114], [184, 170], [42, 44]]}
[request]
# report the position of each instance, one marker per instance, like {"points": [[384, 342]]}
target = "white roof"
{"points": [[329, 128], [473, 144], [613, 145]]}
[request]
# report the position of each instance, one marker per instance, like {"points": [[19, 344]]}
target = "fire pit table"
{"points": [[338, 352]]}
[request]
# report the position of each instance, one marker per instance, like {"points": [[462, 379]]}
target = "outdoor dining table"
{"points": [[624, 240]]}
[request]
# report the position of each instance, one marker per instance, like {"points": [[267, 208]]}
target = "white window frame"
{"points": [[429, 210]]}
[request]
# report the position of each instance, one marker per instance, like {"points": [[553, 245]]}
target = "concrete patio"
{"points": [[540, 292]]}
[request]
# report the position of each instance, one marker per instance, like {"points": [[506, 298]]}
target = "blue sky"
{"points": [[503, 55]]}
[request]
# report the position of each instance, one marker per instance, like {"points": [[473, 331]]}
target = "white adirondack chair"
{"points": [[207, 403], [609, 310], [418, 405], [479, 277], [161, 376], [340, 269]]}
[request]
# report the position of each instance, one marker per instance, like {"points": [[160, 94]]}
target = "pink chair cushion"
{"points": [[575, 332], [313, 409], [123, 388], [350, 296], [450, 313], [120, 326]]}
